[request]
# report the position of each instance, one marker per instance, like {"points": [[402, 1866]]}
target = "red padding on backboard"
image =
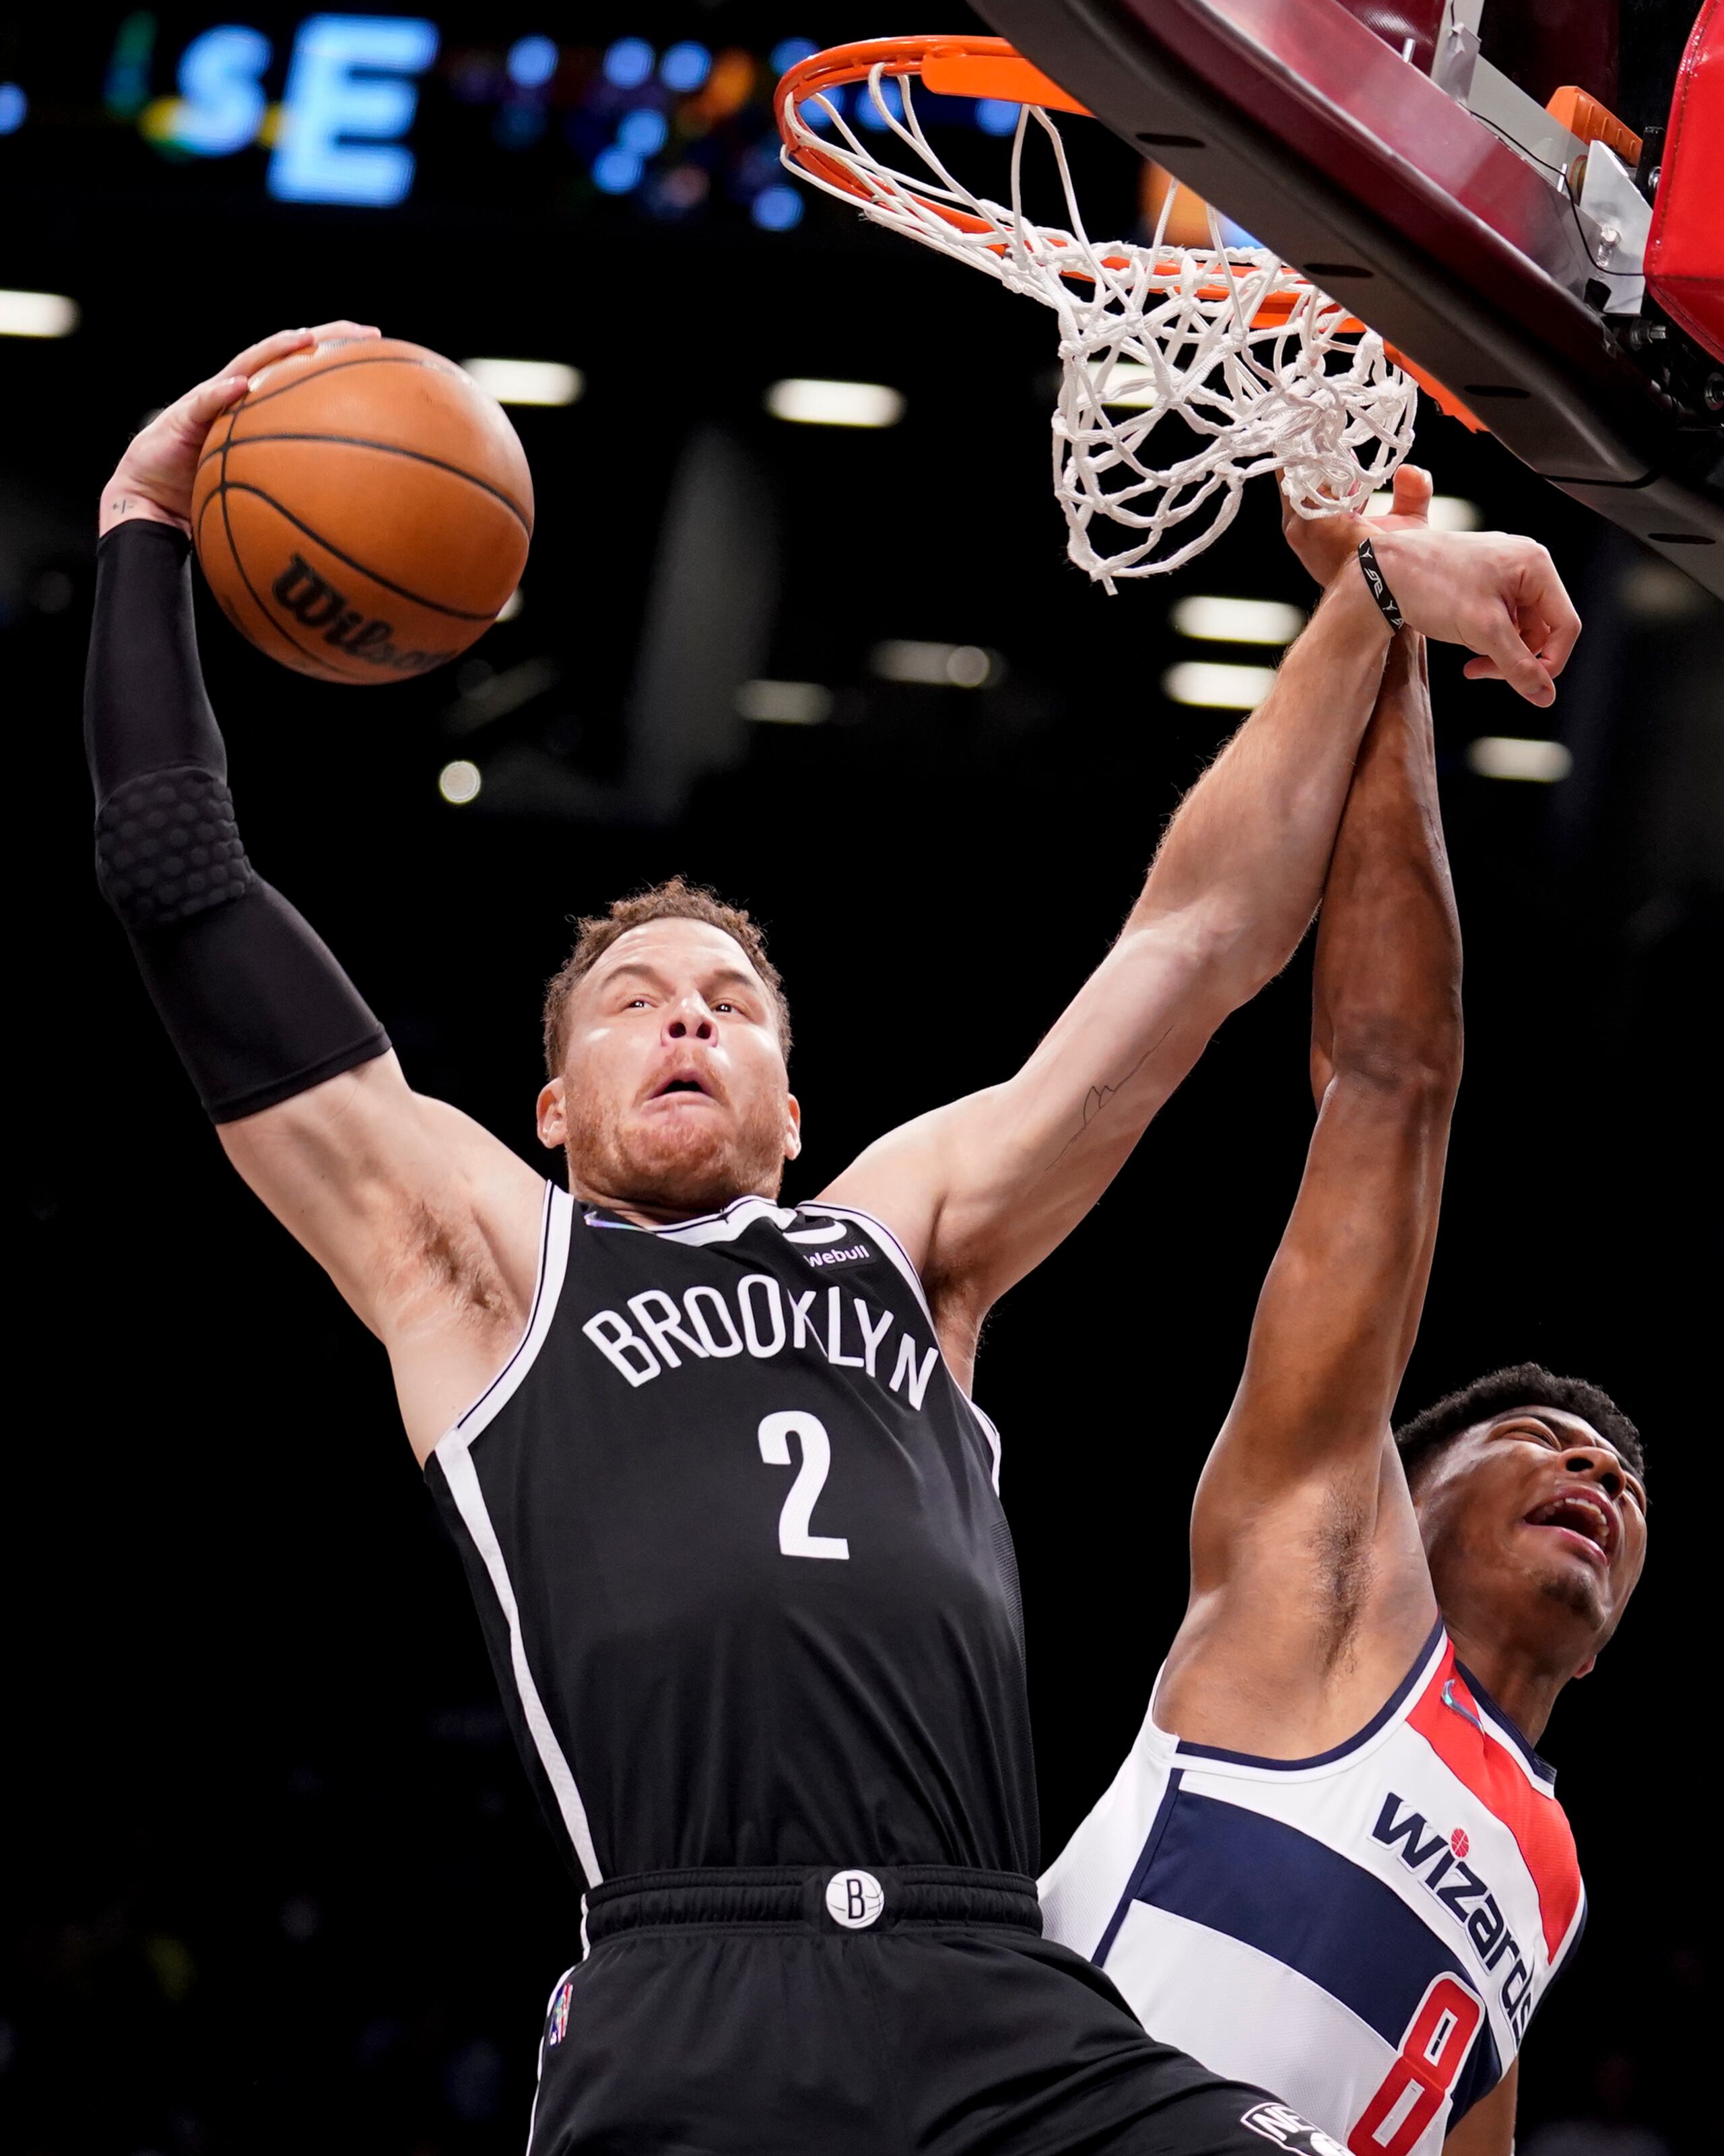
{"points": [[1685, 251]]}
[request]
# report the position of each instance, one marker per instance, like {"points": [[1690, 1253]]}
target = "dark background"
{"points": [[274, 1880]]}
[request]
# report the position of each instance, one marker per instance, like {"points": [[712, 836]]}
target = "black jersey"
{"points": [[736, 1543]]}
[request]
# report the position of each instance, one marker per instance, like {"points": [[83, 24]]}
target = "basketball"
{"points": [[363, 513]]}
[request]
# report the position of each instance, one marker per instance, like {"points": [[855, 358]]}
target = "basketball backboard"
{"points": [[1492, 229]]}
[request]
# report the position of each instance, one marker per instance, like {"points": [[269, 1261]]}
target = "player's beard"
{"points": [[686, 1161], [1570, 1591]]}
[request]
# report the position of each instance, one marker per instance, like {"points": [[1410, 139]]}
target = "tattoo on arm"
{"points": [[1097, 1098]]}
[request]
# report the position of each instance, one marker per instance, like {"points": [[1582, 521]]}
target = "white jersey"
{"points": [[1366, 1933]]}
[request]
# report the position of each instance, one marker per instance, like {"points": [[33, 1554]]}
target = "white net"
{"points": [[1267, 373]]}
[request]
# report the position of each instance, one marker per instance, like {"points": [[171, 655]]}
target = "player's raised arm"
{"points": [[981, 1190], [408, 1205], [1310, 1594]]}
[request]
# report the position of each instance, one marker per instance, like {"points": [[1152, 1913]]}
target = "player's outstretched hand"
{"points": [[1498, 595], [154, 477]]}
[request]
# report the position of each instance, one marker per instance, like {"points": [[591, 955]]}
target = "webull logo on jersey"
{"points": [[1436, 1860], [853, 1253], [760, 1317]]}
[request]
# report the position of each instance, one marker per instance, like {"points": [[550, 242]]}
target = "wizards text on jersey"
{"points": [[1464, 1894]]}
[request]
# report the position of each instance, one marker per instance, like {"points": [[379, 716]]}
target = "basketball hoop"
{"points": [[1268, 374]]}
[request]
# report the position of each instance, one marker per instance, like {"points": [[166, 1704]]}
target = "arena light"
{"points": [[532, 62], [1207, 619], [685, 67], [459, 782], [1502, 755], [780, 209], [935, 665], [806, 402], [618, 170], [644, 131], [36, 315], [1213, 683], [784, 703], [1448, 512], [628, 62], [527, 381], [1651, 590]]}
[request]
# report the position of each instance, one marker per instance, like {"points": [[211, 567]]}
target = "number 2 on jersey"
{"points": [[775, 1432], [1433, 2051]]}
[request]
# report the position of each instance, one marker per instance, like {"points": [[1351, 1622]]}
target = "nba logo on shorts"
{"points": [[1275, 2122], [559, 2013]]}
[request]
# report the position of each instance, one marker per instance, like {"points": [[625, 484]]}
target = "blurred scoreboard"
{"points": [[661, 113]]}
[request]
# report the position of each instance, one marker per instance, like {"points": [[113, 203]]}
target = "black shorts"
{"points": [[783, 2012]]}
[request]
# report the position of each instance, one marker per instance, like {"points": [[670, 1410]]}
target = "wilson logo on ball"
{"points": [[364, 512], [315, 603]]}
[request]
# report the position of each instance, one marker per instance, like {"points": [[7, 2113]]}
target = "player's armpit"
{"points": [[1489, 2128], [426, 1224]]}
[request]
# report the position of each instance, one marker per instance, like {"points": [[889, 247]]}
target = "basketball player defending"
{"points": [[1333, 1863], [729, 1515]]}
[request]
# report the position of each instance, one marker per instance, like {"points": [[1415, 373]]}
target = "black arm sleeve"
{"points": [[257, 1007]]}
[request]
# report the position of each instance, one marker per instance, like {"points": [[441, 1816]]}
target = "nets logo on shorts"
{"points": [[854, 1899], [1288, 2130], [560, 2013]]}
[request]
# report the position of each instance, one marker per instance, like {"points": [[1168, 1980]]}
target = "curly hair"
{"points": [[1523, 1385], [675, 900]]}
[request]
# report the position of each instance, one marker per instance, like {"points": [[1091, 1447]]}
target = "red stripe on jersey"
{"points": [[1533, 1816]]}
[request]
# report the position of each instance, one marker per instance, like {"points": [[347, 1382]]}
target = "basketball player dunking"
{"points": [[729, 1515], [1332, 1862]]}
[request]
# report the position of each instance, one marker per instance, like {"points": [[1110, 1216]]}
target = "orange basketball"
{"points": [[363, 513]]}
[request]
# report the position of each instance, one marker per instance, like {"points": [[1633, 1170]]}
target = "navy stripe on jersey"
{"points": [[1134, 1887], [1295, 1899], [1386, 1713]]}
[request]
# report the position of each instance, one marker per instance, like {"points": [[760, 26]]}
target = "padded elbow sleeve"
{"points": [[167, 847]]}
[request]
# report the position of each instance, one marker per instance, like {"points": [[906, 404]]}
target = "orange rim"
{"points": [[958, 61], [991, 67], [961, 67]]}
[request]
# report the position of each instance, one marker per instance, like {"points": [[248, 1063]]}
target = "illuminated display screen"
{"points": [[376, 111]]}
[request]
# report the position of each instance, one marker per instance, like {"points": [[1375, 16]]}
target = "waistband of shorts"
{"points": [[879, 1897]]}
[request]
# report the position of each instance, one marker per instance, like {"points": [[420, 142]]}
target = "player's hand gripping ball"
{"points": [[363, 513]]}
